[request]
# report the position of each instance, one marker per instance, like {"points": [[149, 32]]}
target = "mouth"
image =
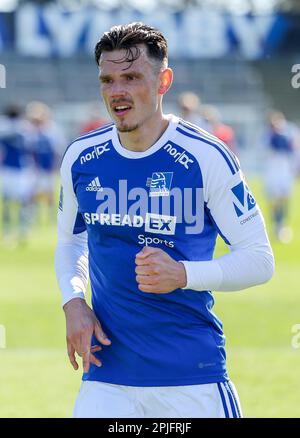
{"points": [[121, 110]]}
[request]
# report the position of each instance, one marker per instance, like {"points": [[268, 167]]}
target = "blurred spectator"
{"points": [[16, 173], [190, 109], [214, 125], [281, 142], [47, 142]]}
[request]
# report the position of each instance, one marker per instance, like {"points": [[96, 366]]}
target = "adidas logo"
{"points": [[94, 186]]}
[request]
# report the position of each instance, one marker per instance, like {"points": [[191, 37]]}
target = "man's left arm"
{"points": [[239, 221]]}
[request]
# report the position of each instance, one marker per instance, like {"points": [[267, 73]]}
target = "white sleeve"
{"points": [[71, 256], [240, 223]]}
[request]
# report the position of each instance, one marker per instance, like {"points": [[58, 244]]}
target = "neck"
{"points": [[146, 136]]}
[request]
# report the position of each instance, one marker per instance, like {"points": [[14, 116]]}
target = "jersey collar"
{"points": [[167, 135]]}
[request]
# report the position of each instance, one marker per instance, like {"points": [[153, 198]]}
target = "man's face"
{"points": [[129, 90]]}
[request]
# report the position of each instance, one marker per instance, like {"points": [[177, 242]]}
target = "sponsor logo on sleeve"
{"points": [[244, 201]]}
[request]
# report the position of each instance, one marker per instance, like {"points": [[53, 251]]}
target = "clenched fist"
{"points": [[157, 272]]}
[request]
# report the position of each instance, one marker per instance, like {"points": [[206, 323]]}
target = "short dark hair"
{"points": [[128, 36]]}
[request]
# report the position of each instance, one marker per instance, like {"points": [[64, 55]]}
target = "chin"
{"points": [[127, 128]]}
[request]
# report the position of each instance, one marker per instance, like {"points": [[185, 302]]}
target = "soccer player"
{"points": [[17, 176], [280, 170], [151, 345], [46, 140]]}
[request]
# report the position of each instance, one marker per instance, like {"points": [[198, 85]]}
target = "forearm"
{"points": [[240, 269], [71, 265]]}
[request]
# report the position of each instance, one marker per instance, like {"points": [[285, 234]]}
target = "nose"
{"points": [[118, 89]]}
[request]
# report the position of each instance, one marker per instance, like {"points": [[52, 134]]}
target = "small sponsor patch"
{"points": [[160, 183]]}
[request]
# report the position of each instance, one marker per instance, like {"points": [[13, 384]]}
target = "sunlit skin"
{"points": [[141, 86]]}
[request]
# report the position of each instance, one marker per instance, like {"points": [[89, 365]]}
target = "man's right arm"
{"points": [[71, 264], [71, 258]]}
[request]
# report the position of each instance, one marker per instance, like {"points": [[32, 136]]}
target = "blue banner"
{"points": [[193, 33]]}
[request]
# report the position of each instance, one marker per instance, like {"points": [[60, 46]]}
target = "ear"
{"points": [[166, 78]]}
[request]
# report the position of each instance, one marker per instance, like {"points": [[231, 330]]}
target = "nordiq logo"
{"points": [[180, 157], [244, 201], [97, 151]]}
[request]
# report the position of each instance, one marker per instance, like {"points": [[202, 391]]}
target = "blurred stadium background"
{"points": [[237, 55]]}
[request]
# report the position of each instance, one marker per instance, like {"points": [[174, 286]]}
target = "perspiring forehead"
{"points": [[129, 59]]}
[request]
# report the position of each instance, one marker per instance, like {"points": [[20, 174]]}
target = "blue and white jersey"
{"points": [[178, 196]]}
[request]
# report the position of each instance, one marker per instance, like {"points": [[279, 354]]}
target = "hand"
{"points": [[81, 323], [157, 272]]}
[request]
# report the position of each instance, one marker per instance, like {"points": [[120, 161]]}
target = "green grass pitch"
{"points": [[38, 381]]}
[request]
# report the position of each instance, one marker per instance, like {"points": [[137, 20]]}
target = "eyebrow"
{"points": [[128, 73]]}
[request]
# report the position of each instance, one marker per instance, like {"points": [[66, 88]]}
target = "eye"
{"points": [[130, 78], [106, 81]]}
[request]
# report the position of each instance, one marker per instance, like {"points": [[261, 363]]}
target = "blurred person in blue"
{"points": [[17, 174], [46, 140], [280, 170]]}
